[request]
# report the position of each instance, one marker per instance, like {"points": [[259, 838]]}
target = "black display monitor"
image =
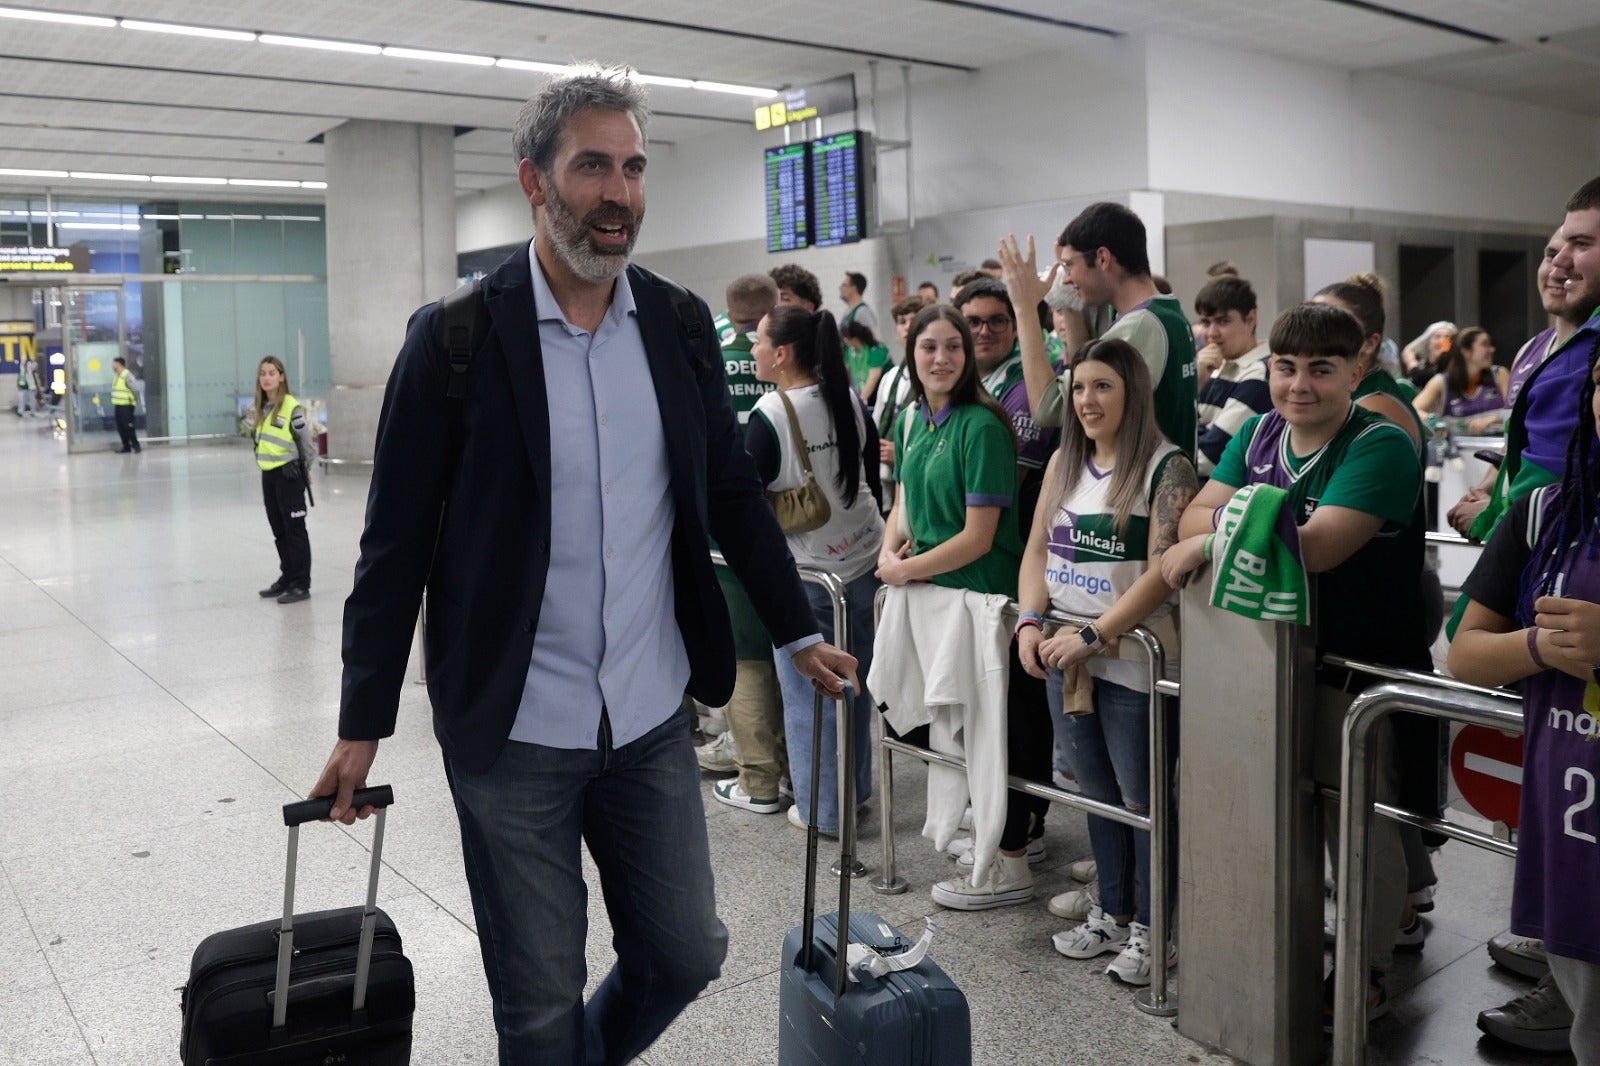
{"points": [[788, 197], [839, 188]]}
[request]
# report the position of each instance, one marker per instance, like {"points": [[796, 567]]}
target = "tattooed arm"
{"points": [[1175, 488]]}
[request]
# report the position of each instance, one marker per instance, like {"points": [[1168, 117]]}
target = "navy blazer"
{"points": [[475, 528]]}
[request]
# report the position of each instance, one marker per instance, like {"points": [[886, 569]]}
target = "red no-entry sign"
{"points": [[1487, 767]]}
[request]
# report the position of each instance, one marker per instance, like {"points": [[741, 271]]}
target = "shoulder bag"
{"points": [[805, 508]]}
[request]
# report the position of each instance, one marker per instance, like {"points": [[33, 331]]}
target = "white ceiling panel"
{"points": [[83, 98]]}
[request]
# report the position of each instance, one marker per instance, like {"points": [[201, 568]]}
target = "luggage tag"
{"points": [[863, 961]]}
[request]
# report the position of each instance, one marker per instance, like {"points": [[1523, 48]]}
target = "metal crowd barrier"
{"points": [[1156, 999], [1433, 695], [844, 722]]}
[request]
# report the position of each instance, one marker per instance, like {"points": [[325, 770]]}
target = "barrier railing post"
{"points": [[1157, 999], [1357, 783], [422, 643], [888, 882]]}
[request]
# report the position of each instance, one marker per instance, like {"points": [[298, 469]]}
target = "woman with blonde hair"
{"points": [[1113, 494]]}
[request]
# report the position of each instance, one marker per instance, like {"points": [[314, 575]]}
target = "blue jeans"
{"points": [[638, 809], [1109, 752], [798, 699]]}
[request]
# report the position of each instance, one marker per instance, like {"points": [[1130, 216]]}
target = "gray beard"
{"points": [[571, 241]]}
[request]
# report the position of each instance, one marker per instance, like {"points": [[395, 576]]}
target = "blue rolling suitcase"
{"points": [[877, 1008]]}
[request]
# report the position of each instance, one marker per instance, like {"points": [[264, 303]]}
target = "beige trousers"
{"points": [[755, 718]]}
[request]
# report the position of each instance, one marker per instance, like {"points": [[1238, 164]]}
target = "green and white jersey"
{"points": [[1090, 564], [962, 457], [739, 366], [1162, 335]]}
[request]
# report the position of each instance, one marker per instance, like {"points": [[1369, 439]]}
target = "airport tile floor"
{"points": [[155, 714]]}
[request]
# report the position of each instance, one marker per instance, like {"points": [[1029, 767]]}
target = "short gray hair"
{"points": [[542, 118]]}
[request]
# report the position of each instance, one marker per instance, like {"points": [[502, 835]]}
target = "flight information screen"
{"points": [[788, 197], [838, 193]]}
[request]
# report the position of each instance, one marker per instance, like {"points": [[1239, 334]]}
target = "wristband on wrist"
{"points": [[1205, 549], [1216, 516], [1533, 648], [1025, 621]]}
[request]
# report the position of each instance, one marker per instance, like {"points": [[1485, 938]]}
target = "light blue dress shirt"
{"points": [[607, 633]]}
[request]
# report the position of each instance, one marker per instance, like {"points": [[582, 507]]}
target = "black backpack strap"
{"points": [[460, 327], [693, 325]]}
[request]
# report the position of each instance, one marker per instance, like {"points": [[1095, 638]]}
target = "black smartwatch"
{"points": [[1090, 635]]}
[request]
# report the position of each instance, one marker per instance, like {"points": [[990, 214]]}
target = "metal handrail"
{"points": [[1358, 781], [1156, 999], [844, 722], [1439, 536]]}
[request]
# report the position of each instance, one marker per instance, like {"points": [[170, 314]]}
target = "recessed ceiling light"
{"points": [[34, 15], [95, 175], [270, 183], [15, 172], [186, 31], [439, 57], [663, 80], [738, 90], [533, 65], [317, 42], [313, 185], [179, 179]]}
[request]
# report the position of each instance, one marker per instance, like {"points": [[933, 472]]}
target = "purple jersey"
{"points": [[1533, 354], [1558, 857], [1549, 408], [1486, 397]]}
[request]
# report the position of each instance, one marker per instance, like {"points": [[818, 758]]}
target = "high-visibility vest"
{"points": [[275, 443], [121, 392]]}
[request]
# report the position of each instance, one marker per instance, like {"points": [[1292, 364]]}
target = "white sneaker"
{"points": [[717, 756], [1065, 782], [1096, 936], [1132, 965], [733, 794], [798, 820], [961, 848], [1084, 871], [1074, 906], [966, 819], [1009, 882]]}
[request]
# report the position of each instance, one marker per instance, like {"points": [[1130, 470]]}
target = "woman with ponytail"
{"points": [[815, 408], [1533, 615]]}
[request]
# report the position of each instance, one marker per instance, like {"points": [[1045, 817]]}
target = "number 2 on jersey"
{"points": [[1583, 803]]}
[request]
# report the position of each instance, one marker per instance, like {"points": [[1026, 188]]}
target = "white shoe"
{"points": [[1096, 936], [1074, 906], [961, 848], [1008, 882], [798, 820], [1084, 871], [729, 791], [1065, 782], [966, 819], [717, 756], [1132, 965]]}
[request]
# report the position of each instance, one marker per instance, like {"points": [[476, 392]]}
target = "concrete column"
{"points": [[391, 248]]}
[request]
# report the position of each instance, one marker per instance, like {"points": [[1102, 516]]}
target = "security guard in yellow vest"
{"points": [[284, 455], [123, 402]]}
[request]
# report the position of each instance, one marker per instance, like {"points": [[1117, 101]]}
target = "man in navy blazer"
{"points": [[559, 521]]}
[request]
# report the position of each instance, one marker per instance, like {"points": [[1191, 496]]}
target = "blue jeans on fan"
{"points": [[798, 698], [1109, 752], [523, 824]]}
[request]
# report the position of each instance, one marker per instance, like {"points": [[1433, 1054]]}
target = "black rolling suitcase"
{"points": [[874, 1005], [327, 987]]}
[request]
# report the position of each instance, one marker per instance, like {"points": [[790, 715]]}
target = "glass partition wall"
{"points": [[192, 295]]}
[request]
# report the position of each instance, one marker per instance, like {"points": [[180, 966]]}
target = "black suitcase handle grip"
{"points": [[319, 807]]}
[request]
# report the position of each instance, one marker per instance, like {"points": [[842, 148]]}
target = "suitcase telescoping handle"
{"points": [[847, 833], [294, 816]]}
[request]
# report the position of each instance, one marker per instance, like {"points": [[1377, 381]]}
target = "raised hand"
{"points": [[1021, 273]]}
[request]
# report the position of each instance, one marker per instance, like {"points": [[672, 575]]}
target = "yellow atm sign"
{"points": [[16, 343]]}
